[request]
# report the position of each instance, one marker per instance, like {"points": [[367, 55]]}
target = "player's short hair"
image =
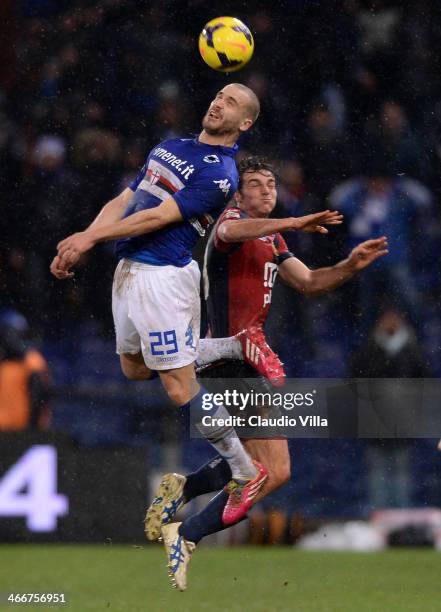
{"points": [[254, 163], [253, 106]]}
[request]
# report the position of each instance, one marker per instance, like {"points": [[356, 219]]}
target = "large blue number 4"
{"points": [[166, 339]]}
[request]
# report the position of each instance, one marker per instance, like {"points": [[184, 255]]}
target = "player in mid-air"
{"points": [[183, 186], [244, 254]]}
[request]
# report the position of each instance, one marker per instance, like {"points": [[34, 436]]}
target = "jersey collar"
{"points": [[231, 151]]}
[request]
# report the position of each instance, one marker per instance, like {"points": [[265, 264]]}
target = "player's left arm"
{"points": [[141, 222], [314, 282]]}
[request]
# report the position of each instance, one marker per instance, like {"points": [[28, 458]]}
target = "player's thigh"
{"points": [[274, 455], [128, 341], [165, 309]]}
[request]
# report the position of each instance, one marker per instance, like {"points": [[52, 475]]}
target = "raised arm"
{"points": [[314, 282], [238, 230], [113, 210], [142, 222], [110, 213]]}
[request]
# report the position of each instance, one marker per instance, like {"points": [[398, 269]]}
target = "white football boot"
{"points": [[179, 551], [168, 500]]}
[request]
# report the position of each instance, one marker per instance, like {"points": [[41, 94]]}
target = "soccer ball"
{"points": [[226, 44]]}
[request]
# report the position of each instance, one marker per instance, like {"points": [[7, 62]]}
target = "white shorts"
{"points": [[156, 310]]}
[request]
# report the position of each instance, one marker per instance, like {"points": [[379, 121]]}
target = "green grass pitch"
{"points": [[130, 579]]}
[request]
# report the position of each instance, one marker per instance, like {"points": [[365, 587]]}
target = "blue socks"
{"points": [[208, 520], [212, 476]]}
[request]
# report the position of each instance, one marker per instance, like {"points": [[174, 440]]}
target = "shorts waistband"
{"points": [[138, 265]]}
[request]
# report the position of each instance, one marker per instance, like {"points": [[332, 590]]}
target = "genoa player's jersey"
{"points": [[238, 278], [201, 178]]}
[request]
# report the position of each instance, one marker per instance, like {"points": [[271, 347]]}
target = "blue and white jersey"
{"points": [[201, 178]]}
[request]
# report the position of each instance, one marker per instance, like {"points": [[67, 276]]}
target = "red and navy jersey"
{"points": [[238, 278], [201, 178]]}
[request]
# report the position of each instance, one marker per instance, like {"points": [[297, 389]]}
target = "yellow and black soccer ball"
{"points": [[226, 44]]}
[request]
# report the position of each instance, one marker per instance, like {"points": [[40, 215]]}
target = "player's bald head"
{"points": [[233, 111], [251, 101]]}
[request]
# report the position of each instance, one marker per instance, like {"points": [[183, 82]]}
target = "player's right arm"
{"points": [[238, 230], [142, 222], [208, 191], [113, 210], [110, 213]]}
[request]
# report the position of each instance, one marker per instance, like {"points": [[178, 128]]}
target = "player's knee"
{"points": [[178, 398], [179, 384], [176, 392], [134, 371], [133, 374]]}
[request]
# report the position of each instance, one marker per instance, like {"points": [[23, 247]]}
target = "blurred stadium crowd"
{"points": [[351, 114]]}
